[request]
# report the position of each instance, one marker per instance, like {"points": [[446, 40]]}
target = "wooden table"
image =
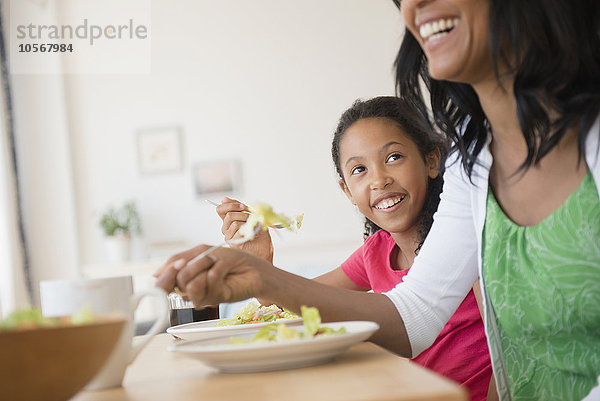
{"points": [[365, 372]]}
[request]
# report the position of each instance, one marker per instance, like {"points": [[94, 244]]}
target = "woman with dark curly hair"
{"points": [[388, 159], [516, 85]]}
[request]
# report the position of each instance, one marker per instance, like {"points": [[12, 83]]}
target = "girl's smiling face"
{"points": [[384, 173], [454, 35]]}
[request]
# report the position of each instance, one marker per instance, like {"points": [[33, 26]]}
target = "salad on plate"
{"points": [[281, 332], [277, 345], [253, 312]]}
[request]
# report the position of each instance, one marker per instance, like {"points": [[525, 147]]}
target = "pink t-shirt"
{"points": [[460, 352]]}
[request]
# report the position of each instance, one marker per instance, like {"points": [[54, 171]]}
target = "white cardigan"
{"points": [[450, 259]]}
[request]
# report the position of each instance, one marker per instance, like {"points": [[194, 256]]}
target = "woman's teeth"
{"points": [[386, 204], [437, 29]]}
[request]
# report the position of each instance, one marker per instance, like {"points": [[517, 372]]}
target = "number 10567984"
{"points": [[45, 48]]}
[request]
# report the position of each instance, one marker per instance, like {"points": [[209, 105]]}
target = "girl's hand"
{"points": [[234, 214], [226, 275]]}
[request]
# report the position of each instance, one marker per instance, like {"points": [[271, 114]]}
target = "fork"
{"points": [[277, 226], [230, 242]]}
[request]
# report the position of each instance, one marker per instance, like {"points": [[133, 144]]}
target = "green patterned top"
{"points": [[544, 285]]}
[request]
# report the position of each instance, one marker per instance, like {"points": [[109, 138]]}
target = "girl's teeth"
{"points": [[388, 203]]}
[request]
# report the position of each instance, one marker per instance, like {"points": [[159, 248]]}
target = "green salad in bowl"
{"points": [[31, 318]]}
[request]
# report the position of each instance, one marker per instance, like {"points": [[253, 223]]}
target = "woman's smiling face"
{"points": [[454, 35], [384, 173]]}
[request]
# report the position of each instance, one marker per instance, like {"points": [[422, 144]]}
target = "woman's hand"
{"points": [[229, 275], [225, 275], [234, 214]]}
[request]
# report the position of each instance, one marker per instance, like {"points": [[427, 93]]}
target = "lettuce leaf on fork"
{"points": [[263, 215]]}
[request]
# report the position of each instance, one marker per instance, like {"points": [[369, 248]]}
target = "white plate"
{"points": [[265, 356], [208, 329]]}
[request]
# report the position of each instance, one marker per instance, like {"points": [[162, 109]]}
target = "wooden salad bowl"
{"points": [[54, 363]]}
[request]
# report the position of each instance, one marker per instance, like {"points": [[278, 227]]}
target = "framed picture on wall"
{"points": [[159, 150], [216, 177]]}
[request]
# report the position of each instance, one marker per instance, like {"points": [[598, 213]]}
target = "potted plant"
{"points": [[118, 225]]}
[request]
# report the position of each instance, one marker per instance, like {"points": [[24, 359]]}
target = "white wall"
{"points": [[263, 81]]}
